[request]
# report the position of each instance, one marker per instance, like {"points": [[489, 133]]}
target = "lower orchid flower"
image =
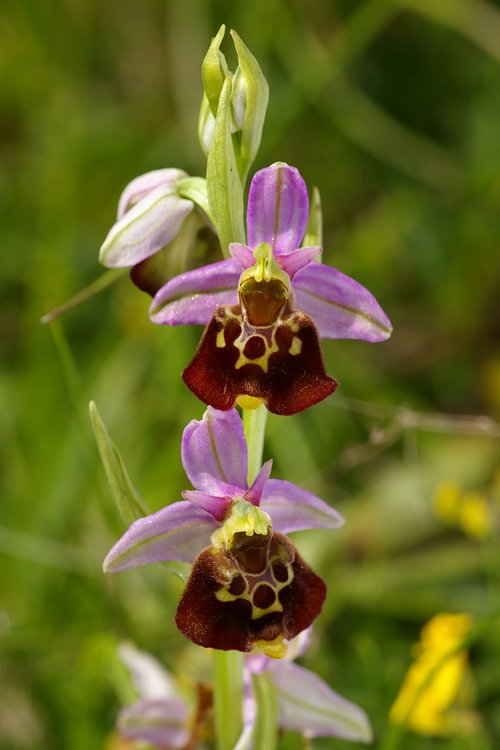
{"points": [[305, 703], [160, 717], [249, 588], [267, 306]]}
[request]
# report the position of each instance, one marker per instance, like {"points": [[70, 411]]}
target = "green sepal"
{"points": [[224, 187], [195, 189], [249, 98], [314, 230], [214, 70], [130, 504]]}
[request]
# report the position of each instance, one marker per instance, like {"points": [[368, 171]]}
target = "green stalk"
{"points": [[266, 725], [107, 278], [228, 697], [254, 424]]}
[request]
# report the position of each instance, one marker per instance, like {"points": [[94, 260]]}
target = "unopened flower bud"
{"points": [[214, 71]]}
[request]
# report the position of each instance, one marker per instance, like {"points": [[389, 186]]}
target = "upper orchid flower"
{"points": [[305, 703], [249, 588], [162, 228], [266, 349], [277, 214]]}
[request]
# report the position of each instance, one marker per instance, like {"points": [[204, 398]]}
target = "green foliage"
{"points": [[391, 109]]}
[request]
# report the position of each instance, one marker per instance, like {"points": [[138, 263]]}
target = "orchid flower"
{"points": [[249, 587], [305, 703], [162, 228], [266, 305], [160, 716]]}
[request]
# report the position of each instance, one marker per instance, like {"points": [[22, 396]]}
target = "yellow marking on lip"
{"points": [[262, 362], [224, 595], [249, 402], [220, 341], [296, 346], [274, 649]]}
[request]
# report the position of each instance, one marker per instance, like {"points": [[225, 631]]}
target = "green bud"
{"points": [[214, 71], [248, 101]]}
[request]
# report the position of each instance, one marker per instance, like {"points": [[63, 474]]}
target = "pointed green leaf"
{"points": [[128, 500]]}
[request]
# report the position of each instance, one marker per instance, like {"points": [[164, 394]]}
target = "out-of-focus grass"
{"points": [[392, 110]]}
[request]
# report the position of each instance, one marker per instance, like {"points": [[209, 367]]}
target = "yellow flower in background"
{"points": [[471, 511], [428, 698], [474, 517]]}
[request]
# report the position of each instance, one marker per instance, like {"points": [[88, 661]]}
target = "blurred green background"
{"points": [[392, 108]]}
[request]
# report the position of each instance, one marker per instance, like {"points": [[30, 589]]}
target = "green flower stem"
{"points": [[254, 424], [228, 697], [266, 725], [107, 278]]}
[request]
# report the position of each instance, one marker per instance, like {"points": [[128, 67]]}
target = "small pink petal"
{"points": [[242, 254], [254, 494], [216, 506], [298, 259]]}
